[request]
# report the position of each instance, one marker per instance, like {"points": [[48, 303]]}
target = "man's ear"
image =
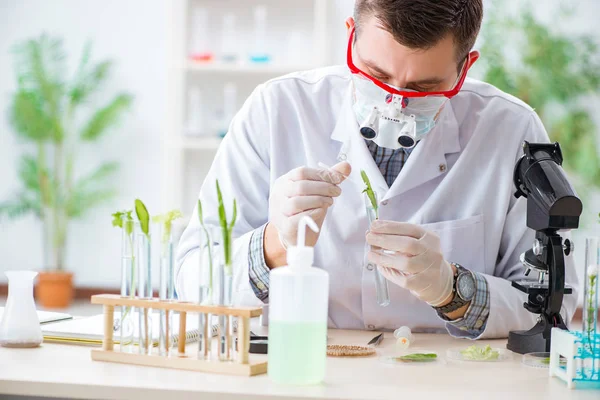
{"points": [[473, 56], [349, 26]]}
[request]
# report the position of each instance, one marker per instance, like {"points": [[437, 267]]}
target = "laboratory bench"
{"points": [[67, 371]]}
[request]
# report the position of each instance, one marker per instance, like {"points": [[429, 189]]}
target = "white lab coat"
{"points": [[458, 182]]}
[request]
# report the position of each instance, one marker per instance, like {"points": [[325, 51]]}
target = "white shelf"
{"points": [[199, 142], [266, 69]]}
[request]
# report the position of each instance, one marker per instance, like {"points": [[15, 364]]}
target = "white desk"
{"points": [[64, 371]]}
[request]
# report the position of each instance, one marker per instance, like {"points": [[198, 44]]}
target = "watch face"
{"points": [[465, 286]]}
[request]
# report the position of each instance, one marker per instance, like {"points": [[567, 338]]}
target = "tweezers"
{"points": [[376, 340]]}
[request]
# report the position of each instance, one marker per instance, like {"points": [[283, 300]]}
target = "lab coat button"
{"points": [[371, 327], [442, 167], [370, 267], [342, 157], [384, 203]]}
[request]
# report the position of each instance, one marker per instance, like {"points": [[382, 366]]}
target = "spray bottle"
{"points": [[298, 301]]}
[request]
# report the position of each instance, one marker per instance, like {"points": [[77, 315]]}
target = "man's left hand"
{"points": [[411, 257]]}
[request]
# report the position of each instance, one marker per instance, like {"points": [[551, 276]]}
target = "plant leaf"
{"points": [[234, 217], [200, 215], [101, 173], [21, 205], [106, 117], [29, 173], [88, 80], [118, 219], [369, 191], [143, 216], [28, 118]]}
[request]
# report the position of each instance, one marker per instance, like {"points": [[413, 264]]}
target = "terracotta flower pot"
{"points": [[54, 289]]}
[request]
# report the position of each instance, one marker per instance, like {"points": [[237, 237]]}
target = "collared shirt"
{"points": [[390, 162]]}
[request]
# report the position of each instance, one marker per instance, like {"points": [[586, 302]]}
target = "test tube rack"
{"points": [[242, 366], [582, 355]]}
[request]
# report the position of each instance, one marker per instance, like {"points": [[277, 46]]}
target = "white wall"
{"points": [[133, 33]]}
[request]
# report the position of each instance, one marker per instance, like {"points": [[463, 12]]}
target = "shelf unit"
{"points": [[187, 158]]}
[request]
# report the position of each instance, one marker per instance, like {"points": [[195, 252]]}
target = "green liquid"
{"points": [[297, 352]]}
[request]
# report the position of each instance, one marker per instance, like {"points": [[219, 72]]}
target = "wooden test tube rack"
{"points": [[242, 366]]}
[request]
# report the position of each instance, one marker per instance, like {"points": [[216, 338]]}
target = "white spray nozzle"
{"points": [[302, 255], [302, 224]]}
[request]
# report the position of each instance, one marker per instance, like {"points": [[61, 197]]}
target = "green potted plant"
{"points": [[553, 72], [54, 114]]}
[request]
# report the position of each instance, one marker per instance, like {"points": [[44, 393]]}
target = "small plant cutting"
{"points": [[417, 357], [590, 304], [477, 353], [124, 220], [370, 193], [166, 220], [226, 229]]}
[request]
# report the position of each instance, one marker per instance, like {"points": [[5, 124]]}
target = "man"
{"points": [[439, 150]]}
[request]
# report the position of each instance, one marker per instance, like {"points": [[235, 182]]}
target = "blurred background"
{"points": [[102, 102]]}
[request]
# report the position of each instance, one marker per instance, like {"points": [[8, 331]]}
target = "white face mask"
{"points": [[393, 121]]}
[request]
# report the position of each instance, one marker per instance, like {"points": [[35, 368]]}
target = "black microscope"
{"points": [[551, 206]]}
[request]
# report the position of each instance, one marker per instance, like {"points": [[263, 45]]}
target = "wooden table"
{"points": [[57, 370]]}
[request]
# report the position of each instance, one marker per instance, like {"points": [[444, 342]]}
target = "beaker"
{"points": [[381, 284], [20, 326]]}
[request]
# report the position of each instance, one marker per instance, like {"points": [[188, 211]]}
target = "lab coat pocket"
{"points": [[462, 241]]}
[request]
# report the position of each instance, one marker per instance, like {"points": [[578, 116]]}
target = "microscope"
{"points": [[551, 206]]}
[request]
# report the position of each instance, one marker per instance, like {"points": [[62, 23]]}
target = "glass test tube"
{"points": [[125, 324], [223, 287], [381, 284], [166, 290], [591, 340], [144, 278], [205, 279], [229, 49]]}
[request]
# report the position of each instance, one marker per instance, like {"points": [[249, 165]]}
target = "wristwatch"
{"points": [[464, 289]]}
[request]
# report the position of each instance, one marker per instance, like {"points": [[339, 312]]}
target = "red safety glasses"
{"points": [[410, 94]]}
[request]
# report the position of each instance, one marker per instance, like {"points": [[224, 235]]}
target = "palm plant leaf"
{"points": [[28, 117], [82, 200], [88, 79], [21, 205], [106, 117], [29, 173]]}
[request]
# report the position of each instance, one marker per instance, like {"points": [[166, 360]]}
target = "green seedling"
{"points": [[477, 353], [370, 193], [124, 220], [143, 216], [417, 357], [226, 228], [167, 222]]}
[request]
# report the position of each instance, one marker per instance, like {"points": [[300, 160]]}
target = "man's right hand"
{"points": [[302, 191]]}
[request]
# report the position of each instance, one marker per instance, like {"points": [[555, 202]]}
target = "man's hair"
{"points": [[421, 24]]}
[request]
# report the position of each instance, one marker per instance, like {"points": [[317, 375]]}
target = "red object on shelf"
{"points": [[202, 57]]}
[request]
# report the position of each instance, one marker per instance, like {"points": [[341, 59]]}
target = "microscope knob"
{"points": [[568, 247], [538, 247]]}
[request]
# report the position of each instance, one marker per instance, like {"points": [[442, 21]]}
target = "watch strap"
{"points": [[457, 302]]}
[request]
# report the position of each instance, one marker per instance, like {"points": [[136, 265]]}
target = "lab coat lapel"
{"points": [[428, 159], [354, 149]]}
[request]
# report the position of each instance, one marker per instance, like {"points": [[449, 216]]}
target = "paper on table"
{"points": [[46, 316], [90, 330]]}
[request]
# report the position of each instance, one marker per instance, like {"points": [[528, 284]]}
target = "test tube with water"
{"points": [[144, 278], [381, 284], [125, 323], [259, 53], [166, 290], [205, 279]]}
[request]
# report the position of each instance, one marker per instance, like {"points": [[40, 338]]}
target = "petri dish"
{"points": [[417, 357], [539, 360], [456, 354]]}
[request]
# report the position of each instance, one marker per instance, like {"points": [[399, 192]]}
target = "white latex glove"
{"points": [[304, 191], [411, 257]]}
